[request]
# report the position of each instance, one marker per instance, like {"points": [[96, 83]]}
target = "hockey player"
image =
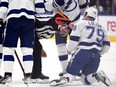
{"points": [[72, 9], [45, 28], [88, 41], [20, 23]]}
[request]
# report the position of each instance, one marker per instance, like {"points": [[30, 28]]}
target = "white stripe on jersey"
{"points": [[17, 8], [45, 32]]}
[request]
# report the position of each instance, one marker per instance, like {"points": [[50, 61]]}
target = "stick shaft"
{"points": [[19, 61]]}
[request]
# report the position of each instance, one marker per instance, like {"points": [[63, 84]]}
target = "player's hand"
{"points": [[71, 25], [43, 53]]}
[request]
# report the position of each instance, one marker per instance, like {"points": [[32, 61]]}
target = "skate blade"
{"points": [[38, 81], [54, 84], [6, 85], [107, 80]]}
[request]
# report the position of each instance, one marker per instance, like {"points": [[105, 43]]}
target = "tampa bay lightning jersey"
{"points": [[17, 8], [88, 35], [71, 8]]}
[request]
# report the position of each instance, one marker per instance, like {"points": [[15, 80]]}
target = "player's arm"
{"points": [[74, 39], [52, 4], [83, 4], [3, 11], [54, 22], [39, 6], [106, 44]]}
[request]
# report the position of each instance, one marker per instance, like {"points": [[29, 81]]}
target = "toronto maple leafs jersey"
{"points": [[17, 8], [71, 8], [88, 35]]}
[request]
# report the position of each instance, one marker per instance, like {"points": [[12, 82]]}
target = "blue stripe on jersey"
{"points": [[90, 44], [4, 4], [83, 6], [39, 5], [8, 58], [28, 58], [78, 16], [106, 43], [74, 38], [15, 11]]}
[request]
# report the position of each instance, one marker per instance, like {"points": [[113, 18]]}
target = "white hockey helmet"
{"points": [[91, 12]]}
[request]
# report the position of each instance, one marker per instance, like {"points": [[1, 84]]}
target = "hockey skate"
{"points": [[62, 73], [6, 79], [1, 77], [101, 76], [27, 78], [58, 82], [41, 79]]}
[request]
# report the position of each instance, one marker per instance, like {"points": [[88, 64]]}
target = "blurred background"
{"points": [[105, 7]]}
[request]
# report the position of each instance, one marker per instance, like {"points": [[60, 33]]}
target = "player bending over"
{"points": [[59, 23], [45, 28], [87, 43]]}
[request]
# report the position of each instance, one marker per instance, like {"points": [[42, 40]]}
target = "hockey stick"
{"points": [[20, 65], [19, 61]]}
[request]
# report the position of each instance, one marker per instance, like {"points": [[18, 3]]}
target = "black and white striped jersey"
{"points": [[44, 29], [45, 32]]}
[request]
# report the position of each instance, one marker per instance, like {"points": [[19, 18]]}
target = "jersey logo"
{"points": [[70, 6]]}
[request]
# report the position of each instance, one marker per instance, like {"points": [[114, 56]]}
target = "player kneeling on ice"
{"points": [[87, 43]]}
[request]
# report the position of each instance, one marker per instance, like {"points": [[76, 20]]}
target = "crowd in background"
{"points": [[105, 7]]}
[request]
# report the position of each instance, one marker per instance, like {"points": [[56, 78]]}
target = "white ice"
{"points": [[51, 67]]}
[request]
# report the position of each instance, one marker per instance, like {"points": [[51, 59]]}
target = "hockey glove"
{"points": [[58, 19], [57, 3]]}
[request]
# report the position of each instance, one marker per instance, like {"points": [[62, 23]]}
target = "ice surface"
{"points": [[51, 67]]}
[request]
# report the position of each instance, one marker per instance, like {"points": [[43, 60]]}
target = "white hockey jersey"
{"points": [[72, 8], [17, 8], [88, 35]]}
